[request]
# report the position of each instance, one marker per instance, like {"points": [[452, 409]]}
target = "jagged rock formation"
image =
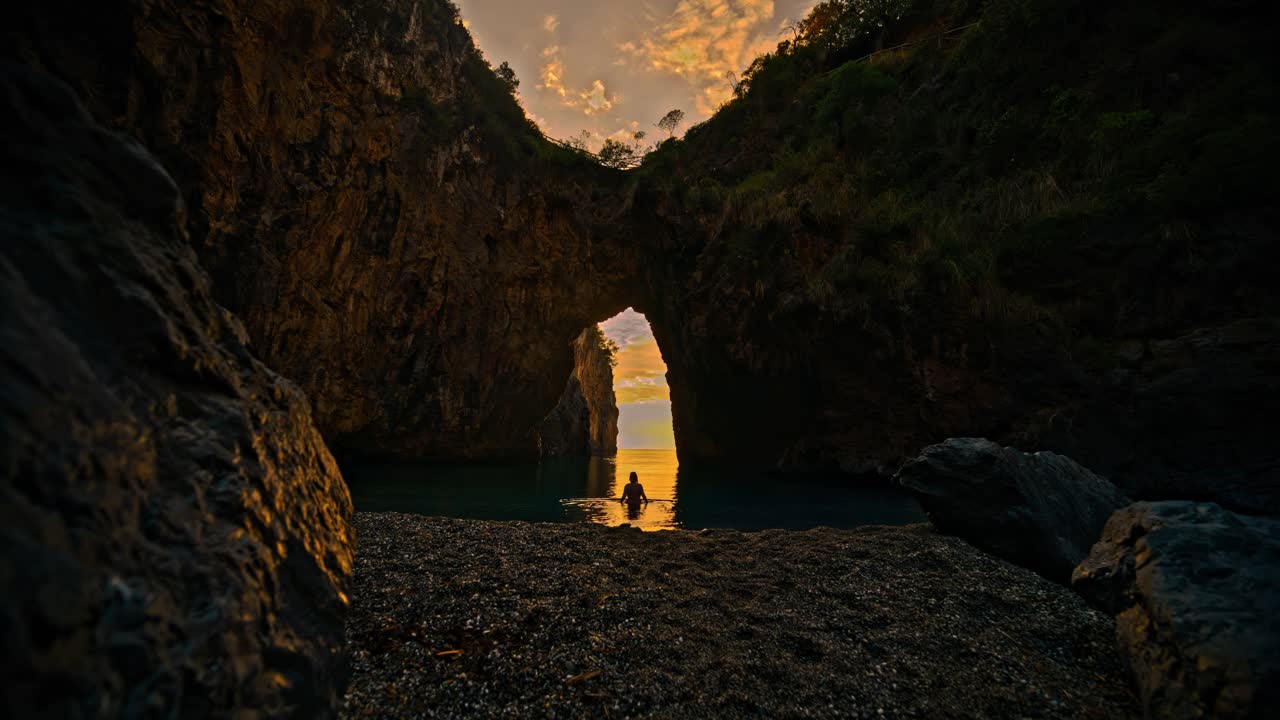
{"points": [[1041, 511], [585, 421], [176, 536], [1195, 590], [369, 200]]}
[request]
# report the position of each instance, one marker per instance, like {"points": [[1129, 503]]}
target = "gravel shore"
{"points": [[466, 618]]}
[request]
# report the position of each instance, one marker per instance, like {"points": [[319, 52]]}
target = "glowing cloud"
{"points": [[596, 99], [640, 376], [592, 101], [552, 72], [704, 41], [648, 57]]}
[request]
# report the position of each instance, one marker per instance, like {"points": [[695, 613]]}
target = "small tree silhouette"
{"points": [[508, 75], [617, 154], [671, 121]]}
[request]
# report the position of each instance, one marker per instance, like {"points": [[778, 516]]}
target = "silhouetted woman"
{"points": [[633, 493]]}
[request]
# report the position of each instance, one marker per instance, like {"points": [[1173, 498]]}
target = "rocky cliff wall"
{"points": [[393, 233], [846, 264], [585, 420], [176, 537]]}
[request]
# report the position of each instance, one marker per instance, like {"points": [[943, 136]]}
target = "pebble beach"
{"points": [[465, 618]]}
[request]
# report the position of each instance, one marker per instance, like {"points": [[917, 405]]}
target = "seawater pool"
{"points": [[586, 490]]}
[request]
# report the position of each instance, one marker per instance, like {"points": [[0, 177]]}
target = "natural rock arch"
{"points": [[400, 242]]}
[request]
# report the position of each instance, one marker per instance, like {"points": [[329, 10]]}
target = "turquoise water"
{"points": [[586, 491]]}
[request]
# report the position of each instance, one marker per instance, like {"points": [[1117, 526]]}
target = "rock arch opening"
{"points": [[616, 396], [639, 383]]}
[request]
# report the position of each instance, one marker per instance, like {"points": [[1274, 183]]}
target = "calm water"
{"points": [[586, 491]]}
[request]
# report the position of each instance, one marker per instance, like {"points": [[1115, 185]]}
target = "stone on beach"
{"points": [[1196, 593], [1041, 511]]}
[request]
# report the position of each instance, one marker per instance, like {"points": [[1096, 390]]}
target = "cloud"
{"points": [[592, 101], [550, 23], [641, 375], [597, 99], [710, 98], [626, 328], [552, 72], [703, 41]]}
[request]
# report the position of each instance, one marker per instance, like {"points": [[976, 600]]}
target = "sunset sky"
{"points": [[640, 381], [612, 68]]}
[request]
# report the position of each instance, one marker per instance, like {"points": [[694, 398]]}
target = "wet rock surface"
{"points": [[585, 421], [174, 535], [1196, 590], [460, 618], [1041, 511]]}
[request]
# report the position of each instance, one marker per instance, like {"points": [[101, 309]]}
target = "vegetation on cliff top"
{"points": [[484, 104], [1052, 163]]}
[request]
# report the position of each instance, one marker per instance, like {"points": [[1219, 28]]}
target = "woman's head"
{"points": [[634, 477]]}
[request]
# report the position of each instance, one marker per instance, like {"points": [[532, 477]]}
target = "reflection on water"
{"points": [[588, 491], [606, 477]]}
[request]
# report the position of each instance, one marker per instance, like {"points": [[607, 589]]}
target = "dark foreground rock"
{"points": [[1196, 589], [175, 538], [1041, 511], [464, 618]]}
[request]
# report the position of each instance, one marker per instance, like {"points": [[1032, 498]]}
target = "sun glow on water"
{"points": [[656, 470]]}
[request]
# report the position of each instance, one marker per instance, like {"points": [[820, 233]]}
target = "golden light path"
{"points": [[657, 471]]}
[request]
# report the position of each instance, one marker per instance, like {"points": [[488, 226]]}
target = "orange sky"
{"points": [[640, 381], [612, 68]]}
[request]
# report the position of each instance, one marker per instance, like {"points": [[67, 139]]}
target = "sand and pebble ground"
{"points": [[477, 619]]}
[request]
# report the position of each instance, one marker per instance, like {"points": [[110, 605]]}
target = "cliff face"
{"points": [[395, 237], [175, 534], [585, 421], [990, 233]]}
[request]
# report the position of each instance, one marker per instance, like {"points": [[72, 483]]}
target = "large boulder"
{"points": [[176, 538], [1196, 594], [1041, 510]]}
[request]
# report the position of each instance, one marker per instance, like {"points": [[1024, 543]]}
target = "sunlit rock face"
{"points": [[365, 203], [585, 420], [176, 536]]}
